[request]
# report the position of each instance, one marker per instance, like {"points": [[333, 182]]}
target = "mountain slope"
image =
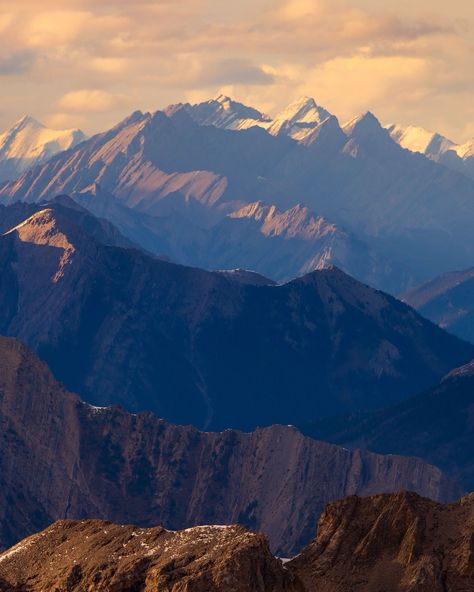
{"points": [[436, 426], [63, 458], [407, 209], [29, 143], [279, 244], [448, 300], [333, 343], [394, 543]]}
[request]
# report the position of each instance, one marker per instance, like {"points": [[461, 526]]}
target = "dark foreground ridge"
{"points": [[395, 543]]}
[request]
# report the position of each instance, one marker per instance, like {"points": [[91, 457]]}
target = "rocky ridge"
{"points": [[395, 543], [62, 458]]}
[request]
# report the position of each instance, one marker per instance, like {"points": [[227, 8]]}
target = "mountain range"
{"points": [[386, 215], [200, 358], [120, 326], [459, 157], [395, 543], [60, 458]]}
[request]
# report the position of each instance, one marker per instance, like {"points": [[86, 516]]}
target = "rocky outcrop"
{"points": [[62, 458], [394, 543], [390, 543], [104, 557], [120, 327]]}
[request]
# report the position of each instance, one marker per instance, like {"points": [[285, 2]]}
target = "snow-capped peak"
{"points": [[419, 139], [29, 142], [299, 119], [435, 146], [303, 110], [224, 100]]}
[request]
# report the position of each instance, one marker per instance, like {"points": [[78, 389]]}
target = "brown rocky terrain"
{"points": [[103, 557], [391, 543], [387, 543], [62, 458]]}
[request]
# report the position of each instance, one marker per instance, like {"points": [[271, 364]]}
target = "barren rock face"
{"points": [[61, 458], [394, 543], [103, 557], [390, 543]]}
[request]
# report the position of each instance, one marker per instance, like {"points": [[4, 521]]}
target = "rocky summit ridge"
{"points": [[395, 543]]}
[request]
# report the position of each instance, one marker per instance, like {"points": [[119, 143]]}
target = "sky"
{"points": [[89, 63]]}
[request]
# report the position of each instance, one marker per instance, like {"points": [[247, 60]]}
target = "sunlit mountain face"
{"points": [[236, 296], [220, 185]]}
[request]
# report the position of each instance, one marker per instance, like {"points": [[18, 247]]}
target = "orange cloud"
{"points": [[265, 51], [89, 100]]}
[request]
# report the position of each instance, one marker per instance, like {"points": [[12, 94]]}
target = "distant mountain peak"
{"points": [[303, 110], [29, 142], [28, 121], [419, 139], [363, 123]]}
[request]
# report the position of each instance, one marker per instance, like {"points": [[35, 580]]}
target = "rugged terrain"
{"points": [[459, 157], [62, 458], [397, 218], [119, 326], [394, 543], [104, 557], [437, 425]]}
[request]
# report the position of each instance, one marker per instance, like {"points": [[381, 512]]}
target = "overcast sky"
{"points": [[88, 63]]}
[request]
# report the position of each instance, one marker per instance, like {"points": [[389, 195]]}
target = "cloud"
{"points": [[89, 100], [391, 55], [17, 63], [52, 28], [109, 65]]}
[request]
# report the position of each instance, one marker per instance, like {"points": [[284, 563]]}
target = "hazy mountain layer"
{"points": [[436, 426], [118, 326], [448, 300]]}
